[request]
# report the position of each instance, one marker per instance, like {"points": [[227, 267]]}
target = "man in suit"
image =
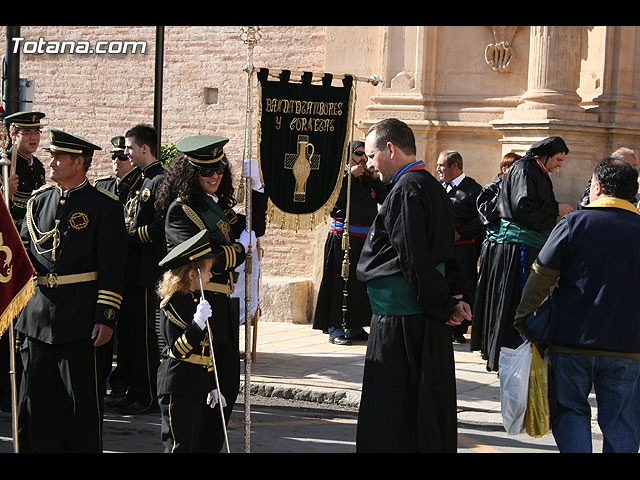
{"points": [[463, 192]]}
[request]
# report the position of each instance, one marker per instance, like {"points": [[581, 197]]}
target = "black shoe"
{"points": [[120, 402], [137, 408], [360, 336], [117, 393], [341, 340], [459, 339]]}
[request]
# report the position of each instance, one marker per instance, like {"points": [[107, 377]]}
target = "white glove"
{"points": [[213, 397], [256, 183], [203, 312]]}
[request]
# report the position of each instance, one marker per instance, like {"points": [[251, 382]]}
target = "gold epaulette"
{"points": [[172, 314], [44, 188], [106, 177], [107, 193], [193, 216]]}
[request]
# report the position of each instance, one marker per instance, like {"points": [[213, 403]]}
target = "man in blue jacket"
{"points": [[594, 255]]}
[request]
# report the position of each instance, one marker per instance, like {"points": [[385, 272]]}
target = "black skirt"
{"points": [[504, 269]]}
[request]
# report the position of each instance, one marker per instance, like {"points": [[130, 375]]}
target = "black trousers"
{"points": [[189, 424], [138, 355], [61, 397], [408, 399]]}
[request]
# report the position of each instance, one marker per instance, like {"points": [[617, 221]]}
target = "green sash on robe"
{"points": [[393, 296]]}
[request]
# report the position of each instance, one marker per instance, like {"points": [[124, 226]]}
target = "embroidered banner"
{"points": [[303, 133]]}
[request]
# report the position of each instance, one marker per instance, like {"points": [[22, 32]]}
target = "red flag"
{"points": [[16, 271]]}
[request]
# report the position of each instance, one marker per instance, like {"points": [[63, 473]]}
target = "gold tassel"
{"points": [[16, 305]]}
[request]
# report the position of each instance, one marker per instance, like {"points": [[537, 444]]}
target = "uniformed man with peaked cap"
{"points": [[124, 184], [29, 172], [138, 351], [75, 237], [27, 177], [126, 176]]}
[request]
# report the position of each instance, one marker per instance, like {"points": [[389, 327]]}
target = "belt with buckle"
{"points": [[195, 359], [52, 280]]}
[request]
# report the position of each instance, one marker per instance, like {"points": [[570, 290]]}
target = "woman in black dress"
{"points": [[528, 212]]}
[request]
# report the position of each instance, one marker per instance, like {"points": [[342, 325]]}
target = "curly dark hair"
{"points": [[618, 178], [182, 180]]}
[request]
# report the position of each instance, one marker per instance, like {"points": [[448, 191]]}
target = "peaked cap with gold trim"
{"points": [[203, 151], [26, 119], [196, 248], [63, 142], [118, 144]]}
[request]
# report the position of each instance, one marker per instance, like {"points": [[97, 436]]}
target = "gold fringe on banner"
{"points": [[15, 306], [308, 221]]}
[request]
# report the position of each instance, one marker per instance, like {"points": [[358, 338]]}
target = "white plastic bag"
{"points": [[514, 366]]}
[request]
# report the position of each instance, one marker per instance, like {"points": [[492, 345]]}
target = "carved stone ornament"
{"points": [[499, 54]]}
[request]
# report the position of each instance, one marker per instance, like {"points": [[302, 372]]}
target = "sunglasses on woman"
{"points": [[208, 172]]}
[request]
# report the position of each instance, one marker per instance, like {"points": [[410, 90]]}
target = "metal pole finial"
{"points": [[251, 35]]}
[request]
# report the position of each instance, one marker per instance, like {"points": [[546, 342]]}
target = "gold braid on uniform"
{"points": [[107, 297], [232, 216], [193, 216], [130, 208], [43, 236], [107, 193], [171, 313]]}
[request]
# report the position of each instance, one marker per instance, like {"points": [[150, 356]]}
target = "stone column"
{"points": [[617, 104], [553, 76], [551, 106]]}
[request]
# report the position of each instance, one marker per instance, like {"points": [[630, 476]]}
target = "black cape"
{"points": [[526, 198]]}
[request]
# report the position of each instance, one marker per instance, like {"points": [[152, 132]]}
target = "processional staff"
{"points": [[8, 165], [215, 370], [250, 36]]}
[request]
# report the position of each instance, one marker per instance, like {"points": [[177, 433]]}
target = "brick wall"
{"points": [[99, 96]]}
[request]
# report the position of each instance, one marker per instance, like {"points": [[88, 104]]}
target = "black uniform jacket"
{"points": [[366, 195], [88, 227], [238, 221], [183, 222], [463, 197], [31, 176], [122, 188], [186, 366], [527, 196], [146, 230], [411, 235]]}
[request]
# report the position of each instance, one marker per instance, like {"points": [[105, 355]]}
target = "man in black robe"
{"points": [[408, 401], [463, 192]]}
